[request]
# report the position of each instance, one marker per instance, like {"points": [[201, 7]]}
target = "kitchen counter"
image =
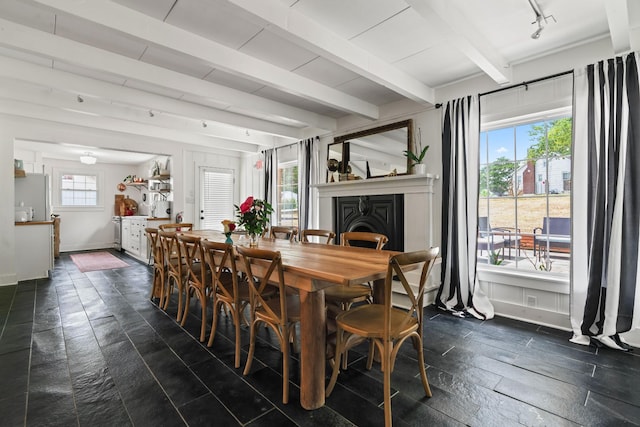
{"points": [[50, 222], [34, 249], [148, 218]]}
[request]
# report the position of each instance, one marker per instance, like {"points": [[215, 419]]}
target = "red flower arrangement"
{"points": [[253, 215]]}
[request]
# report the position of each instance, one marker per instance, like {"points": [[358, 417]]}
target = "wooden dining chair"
{"points": [[388, 327], [176, 226], [322, 236], [280, 313], [227, 288], [174, 267], [345, 296], [198, 278], [159, 269], [341, 298], [283, 232]]}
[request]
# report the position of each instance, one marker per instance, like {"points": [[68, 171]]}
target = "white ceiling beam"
{"points": [[465, 37], [128, 21], [10, 89], [618, 19], [24, 38], [303, 31], [56, 115], [88, 87]]}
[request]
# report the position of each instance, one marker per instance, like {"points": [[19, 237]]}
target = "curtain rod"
{"points": [[293, 143], [527, 83]]}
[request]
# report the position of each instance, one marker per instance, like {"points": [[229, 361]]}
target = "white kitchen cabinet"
{"points": [[134, 239], [34, 249]]}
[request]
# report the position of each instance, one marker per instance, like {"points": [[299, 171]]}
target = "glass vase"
{"points": [[228, 241], [253, 240]]}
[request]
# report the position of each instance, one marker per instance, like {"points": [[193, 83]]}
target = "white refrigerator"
{"points": [[33, 191]]}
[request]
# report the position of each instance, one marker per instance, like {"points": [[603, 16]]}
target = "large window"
{"points": [[78, 190], [287, 191], [524, 214]]}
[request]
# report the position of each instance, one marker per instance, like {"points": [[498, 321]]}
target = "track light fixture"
{"points": [[151, 113], [80, 99], [540, 16], [204, 124]]}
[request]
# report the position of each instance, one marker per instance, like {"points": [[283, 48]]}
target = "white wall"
{"points": [[93, 231], [82, 228]]}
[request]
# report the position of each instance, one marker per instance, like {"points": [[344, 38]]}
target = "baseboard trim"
{"points": [[536, 316]]}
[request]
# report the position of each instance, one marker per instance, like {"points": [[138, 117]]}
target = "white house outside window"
{"points": [[524, 211]]}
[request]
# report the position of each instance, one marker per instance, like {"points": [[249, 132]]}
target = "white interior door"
{"points": [[216, 197]]}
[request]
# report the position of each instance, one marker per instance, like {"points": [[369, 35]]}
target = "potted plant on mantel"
{"points": [[417, 157]]}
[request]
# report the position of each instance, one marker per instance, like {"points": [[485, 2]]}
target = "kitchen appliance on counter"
{"points": [[32, 197], [21, 215], [161, 209]]}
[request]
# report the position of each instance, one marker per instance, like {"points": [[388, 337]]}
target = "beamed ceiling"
{"points": [[245, 74]]}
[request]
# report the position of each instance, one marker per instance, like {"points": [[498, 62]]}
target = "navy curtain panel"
{"points": [[607, 135], [459, 290]]}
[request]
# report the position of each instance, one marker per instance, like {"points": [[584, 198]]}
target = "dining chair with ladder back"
{"points": [[283, 232], [198, 278], [176, 226], [321, 236], [157, 289], [388, 327], [174, 267], [279, 313], [228, 289]]}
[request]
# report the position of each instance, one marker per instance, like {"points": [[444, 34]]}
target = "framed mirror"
{"points": [[370, 153]]}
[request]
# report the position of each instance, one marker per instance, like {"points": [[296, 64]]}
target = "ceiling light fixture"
{"points": [[247, 132], [204, 124], [80, 99], [540, 16], [88, 159], [151, 113]]}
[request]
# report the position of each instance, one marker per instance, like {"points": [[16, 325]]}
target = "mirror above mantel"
{"points": [[370, 153]]}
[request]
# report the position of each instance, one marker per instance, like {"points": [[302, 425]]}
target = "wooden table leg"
{"points": [[313, 320]]}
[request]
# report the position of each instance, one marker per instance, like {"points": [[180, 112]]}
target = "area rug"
{"points": [[92, 261]]}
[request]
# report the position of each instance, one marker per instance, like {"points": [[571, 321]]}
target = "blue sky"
{"points": [[501, 143]]}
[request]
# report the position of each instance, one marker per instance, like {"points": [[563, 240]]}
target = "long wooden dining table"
{"points": [[310, 268]]}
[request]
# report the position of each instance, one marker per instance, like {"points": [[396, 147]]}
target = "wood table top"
{"points": [[313, 266]]}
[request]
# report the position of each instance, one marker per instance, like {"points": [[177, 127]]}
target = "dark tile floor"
{"points": [[91, 349]]}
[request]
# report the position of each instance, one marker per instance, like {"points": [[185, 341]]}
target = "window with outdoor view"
{"points": [[524, 211], [287, 190], [78, 190]]}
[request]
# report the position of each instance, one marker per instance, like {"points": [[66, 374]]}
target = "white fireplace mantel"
{"points": [[418, 203]]}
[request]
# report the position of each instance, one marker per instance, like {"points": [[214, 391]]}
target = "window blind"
{"points": [[217, 198]]}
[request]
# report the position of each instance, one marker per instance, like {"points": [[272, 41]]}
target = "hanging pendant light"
{"points": [[88, 159]]}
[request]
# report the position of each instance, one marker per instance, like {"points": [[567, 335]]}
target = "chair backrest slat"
{"points": [[266, 263], [191, 250], [176, 226], [283, 232], [220, 258], [351, 238], [397, 266], [311, 232]]}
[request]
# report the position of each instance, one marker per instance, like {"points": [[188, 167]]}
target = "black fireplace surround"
{"points": [[382, 213]]}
